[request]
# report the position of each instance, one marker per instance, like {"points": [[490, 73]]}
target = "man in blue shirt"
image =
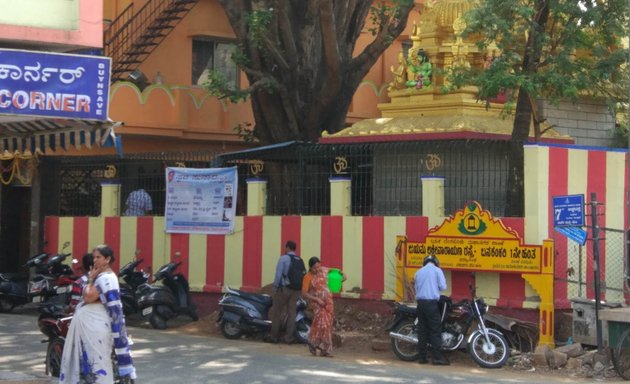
{"points": [[284, 298], [429, 281]]}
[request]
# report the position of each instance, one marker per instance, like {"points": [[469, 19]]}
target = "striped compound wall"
{"points": [[555, 170], [364, 247]]}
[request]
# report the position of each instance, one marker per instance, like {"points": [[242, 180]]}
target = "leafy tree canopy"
{"points": [[303, 62], [554, 49]]}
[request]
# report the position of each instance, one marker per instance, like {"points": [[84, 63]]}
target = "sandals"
{"points": [[312, 349], [325, 354]]}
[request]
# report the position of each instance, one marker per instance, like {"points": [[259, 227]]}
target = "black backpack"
{"points": [[296, 273]]}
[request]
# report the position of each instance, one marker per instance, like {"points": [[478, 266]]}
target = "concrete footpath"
{"points": [[23, 378]]}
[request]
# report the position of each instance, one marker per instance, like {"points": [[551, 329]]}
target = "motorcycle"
{"points": [[55, 327], [487, 346], [159, 303], [55, 284], [243, 312], [14, 287], [50, 278], [132, 281]]}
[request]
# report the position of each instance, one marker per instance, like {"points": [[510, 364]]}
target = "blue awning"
{"points": [[52, 135]]}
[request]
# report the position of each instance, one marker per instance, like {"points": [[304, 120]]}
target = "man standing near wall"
{"points": [[284, 296], [429, 281]]}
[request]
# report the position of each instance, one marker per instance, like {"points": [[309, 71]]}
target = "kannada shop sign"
{"points": [[473, 240], [201, 200], [54, 85]]}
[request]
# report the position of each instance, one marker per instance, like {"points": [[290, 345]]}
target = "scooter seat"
{"points": [[12, 276], [262, 299]]}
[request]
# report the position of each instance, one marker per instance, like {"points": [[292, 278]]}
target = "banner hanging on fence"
{"points": [[200, 200]]}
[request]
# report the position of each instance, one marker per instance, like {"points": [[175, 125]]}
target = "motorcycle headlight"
{"points": [[482, 307]]}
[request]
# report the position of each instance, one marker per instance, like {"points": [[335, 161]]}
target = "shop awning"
{"points": [[21, 133]]}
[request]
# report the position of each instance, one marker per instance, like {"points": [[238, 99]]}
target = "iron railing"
{"points": [[385, 177]]}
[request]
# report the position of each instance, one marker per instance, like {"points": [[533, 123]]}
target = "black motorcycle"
{"points": [[487, 346], [132, 281], [243, 312], [161, 302], [14, 287], [51, 278], [53, 285]]}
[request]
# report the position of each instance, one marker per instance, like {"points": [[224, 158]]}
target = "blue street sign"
{"points": [[568, 211], [574, 233]]}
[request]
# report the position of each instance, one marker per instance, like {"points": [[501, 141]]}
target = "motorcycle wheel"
{"points": [[405, 351], [157, 321], [6, 304], [492, 355], [302, 328], [231, 330], [53, 356]]}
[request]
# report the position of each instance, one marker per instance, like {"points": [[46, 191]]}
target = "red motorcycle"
{"points": [[55, 327]]}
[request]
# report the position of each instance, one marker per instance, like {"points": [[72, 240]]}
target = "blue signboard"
{"points": [[568, 211], [54, 85], [574, 233]]}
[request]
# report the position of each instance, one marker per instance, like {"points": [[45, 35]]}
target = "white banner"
{"points": [[200, 200]]}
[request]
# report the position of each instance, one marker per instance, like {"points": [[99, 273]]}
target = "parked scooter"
{"points": [[159, 303], [14, 287], [487, 346], [243, 312], [133, 280], [50, 278], [56, 283]]}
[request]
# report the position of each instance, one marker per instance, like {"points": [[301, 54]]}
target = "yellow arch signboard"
{"points": [[473, 240]]}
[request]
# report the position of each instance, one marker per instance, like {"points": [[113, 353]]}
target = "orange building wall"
{"points": [[183, 114]]}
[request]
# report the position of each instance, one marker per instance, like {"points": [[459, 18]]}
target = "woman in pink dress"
{"points": [[315, 290]]}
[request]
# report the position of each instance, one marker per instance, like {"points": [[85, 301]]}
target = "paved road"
{"points": [[171, 357]]}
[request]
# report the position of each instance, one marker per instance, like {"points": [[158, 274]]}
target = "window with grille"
{"points": [[208, 55]]}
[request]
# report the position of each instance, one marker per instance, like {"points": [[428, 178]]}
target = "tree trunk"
{"points": [[301, 60], [515, 198]]}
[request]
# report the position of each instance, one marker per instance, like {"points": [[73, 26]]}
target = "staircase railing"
{"points": [[132, 36]]}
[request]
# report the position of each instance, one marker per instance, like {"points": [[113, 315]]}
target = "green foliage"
{"points": [[258, 22], [382, 12], [245, 131], [575, 51], [218, 85]]}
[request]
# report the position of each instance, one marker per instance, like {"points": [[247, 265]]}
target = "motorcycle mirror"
{"points": [[66, 244], [137, 252]]}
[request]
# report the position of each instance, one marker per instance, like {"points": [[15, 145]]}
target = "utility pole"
{"points": [[595, 231]]}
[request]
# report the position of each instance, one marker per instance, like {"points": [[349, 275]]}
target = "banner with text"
{"points": [[200, 200], [51, 84]]}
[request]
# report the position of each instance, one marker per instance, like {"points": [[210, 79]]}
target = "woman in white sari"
{"points": [[98, 325]]}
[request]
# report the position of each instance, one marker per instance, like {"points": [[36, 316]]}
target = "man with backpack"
{"points": [[287, 286]]}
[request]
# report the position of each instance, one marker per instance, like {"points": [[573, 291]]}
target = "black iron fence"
{"points": [[385, 177], [71, 186]]}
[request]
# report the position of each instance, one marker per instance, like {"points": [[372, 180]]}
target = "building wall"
{"points": [[365, 247], [66, 24], [558, 170], [589, 122], [176, 109]]}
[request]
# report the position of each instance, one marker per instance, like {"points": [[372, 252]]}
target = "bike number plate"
{"points": [[37, 299], [147, 311], [63, 289]]}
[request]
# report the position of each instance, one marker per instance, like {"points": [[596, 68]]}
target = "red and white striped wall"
{"points": [[555, 170], [365, 247]]}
